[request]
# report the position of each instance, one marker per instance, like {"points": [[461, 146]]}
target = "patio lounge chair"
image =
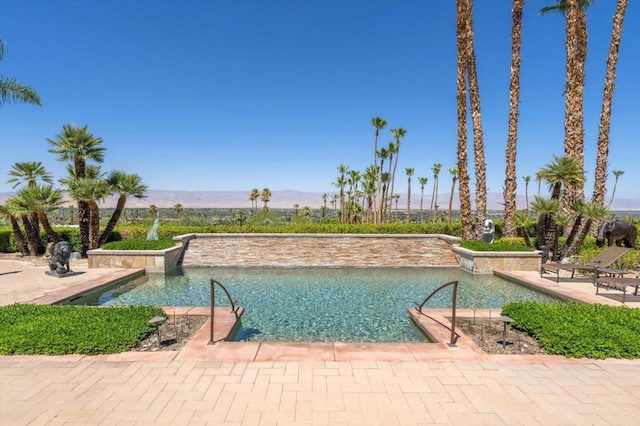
{"points": [[602, 260], [616, 283]]}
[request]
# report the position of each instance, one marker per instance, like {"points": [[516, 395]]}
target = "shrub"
{"points": [[140, 244], [504, 244], [60, 330], [579, 330]]}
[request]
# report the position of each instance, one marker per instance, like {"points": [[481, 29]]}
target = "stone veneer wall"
{"points": [[485, 262], [318, 250], [150, 260]]}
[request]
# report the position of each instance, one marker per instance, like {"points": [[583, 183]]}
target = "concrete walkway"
{"points": [[367, 384]]}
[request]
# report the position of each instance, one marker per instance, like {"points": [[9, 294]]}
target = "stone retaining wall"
{"points": [[292, 250]]}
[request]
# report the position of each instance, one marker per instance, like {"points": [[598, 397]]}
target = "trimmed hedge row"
{"points": [[579, 330], [60, 330]]}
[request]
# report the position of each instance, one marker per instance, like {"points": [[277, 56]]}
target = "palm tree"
{"points": [[409, 171], [91, 191], [17, 232], [29, 172], [522, 220], [461, 98], [594, 213], [510, 182], [178, 208], [20, 206], [600, 179], [383, 153], [76, 145], [476, 120], [454, 177], [617, 174], [125, 185], [526, 179], [434, 195], [152, 209], [342, 169], [253, 197], [397, 134], [546, 236], [42, 199], [265, 196], [296, 206], [576, 47], [378, 124], [13, 91], [563, 171], [324, 204], [423, 182]]}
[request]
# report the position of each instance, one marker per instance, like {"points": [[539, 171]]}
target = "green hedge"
{"points": [[504, 244], [139, 244], [60, 330], [580, 330]]}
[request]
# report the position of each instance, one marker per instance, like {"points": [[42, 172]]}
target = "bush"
{"points": [[61, 330], [504, 244], [139, 244], [579, 330]]}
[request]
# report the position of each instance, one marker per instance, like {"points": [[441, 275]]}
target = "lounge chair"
{"points": [[603, 260], [616, 283]]}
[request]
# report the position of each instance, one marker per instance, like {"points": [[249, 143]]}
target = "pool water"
{"points": [[320, 304]]}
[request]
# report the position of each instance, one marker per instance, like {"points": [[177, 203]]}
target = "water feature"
{"points": [[320, 304]]}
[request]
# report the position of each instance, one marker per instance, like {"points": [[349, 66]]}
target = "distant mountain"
{"points": [[287, 198]]}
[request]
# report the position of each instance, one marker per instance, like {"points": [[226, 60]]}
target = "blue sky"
{"points": [[233, 95]]}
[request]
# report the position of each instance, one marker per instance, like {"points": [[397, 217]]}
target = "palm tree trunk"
{"points": [[52, 235], [113, 220], [17, 234], [95, 225], [600, 179], [461, 96], [478, 136], [33, 236], [453, 187], [510, 183], [84, 225]]}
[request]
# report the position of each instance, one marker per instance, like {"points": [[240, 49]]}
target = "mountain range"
{"points": [[288, 198]]}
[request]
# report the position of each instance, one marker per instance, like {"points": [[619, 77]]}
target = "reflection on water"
{"points": [[320, 304]]}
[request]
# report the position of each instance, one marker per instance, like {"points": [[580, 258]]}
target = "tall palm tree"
{"points": [[454, 177], [383, 153], [379, 123], [125, 185], [463, 9], [342, 169], [398, 134], [576, 47], [434, 195], [253, 197], [476, 120], [526, 179], [265, 196], [76, 145], [617, 174], [324, 204], [178, 208], [562, 172], [510, 182], [602, 157], [387, 195], [409, 171], [423, 182], [13, 91]]}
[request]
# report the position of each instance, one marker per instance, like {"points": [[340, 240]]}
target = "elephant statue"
{"points": [[618, 232]]}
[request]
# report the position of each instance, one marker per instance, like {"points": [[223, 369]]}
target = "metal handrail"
{"points": [[213, 303], [453, 308]]}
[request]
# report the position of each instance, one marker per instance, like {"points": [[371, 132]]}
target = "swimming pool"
{"points": [[319, 304]]}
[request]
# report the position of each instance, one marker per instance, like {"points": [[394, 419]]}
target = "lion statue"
{"points": [[59, 261]]}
